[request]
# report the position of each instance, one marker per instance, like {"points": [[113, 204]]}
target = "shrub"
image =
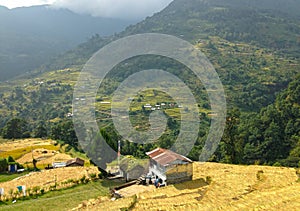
{"points": [[208, 179], [11, 193], [277, 164], [3, 164], [52, 187], [259, 175], [298, 174], [29, 192], [93, 176], [84, 180], [36, 189]]}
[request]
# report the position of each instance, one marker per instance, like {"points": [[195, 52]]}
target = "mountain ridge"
{"points": [[32, 35]]}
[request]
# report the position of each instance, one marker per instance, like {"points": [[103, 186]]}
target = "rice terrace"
{"points": [[150, 105], [214, 187]]}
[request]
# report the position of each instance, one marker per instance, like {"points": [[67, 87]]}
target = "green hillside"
{"points": [[253, 45]]}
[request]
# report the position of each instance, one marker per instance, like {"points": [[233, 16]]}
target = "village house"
{"points": [[169, 167]]}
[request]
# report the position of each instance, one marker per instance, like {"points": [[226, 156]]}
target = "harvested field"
{"points": [[135, 189], [24, 143], [46, 178], [44, 151], [221, 187], [44, 157], [17, 149]]}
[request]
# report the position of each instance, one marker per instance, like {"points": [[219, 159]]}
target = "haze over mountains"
{"points": [[31, 36]]}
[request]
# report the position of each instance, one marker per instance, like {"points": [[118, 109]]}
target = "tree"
{"points": [[230, 143], [65, 132], [10, 159], [41, 131], [16, 128], [3, 164]]}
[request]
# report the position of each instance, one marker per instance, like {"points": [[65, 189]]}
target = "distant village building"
{"points": [[58, 164], [169, 167], [75, 162], [147, 106]]}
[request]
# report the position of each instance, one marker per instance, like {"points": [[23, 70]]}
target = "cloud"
{"points": [[21, 3], [123, 9]]}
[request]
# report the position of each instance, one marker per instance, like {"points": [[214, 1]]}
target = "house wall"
{"points": [[179, 173], [157, 170], [12, 168]]}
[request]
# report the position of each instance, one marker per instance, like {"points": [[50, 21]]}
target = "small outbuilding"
{"points": [[58, 164], [12, 167], [132, 168], [169, 167], [75, 162]]}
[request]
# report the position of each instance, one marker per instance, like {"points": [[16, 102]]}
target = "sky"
{"points": [[124, 9]]}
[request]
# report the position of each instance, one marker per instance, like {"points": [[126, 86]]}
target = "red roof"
{"points": [[166, 157]]}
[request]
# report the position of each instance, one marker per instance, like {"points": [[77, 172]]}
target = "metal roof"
{"points": [[167, 157]]}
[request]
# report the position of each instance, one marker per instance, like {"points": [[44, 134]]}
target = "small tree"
{"points": [[3, 164], [10, 159]]}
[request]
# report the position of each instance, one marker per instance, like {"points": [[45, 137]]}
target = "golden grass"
{"points": [[18, 148], [44, 151], [46, 178], [232, 187], [43, 158]]}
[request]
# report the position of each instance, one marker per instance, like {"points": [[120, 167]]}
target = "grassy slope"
{"points": [[7, 177]]}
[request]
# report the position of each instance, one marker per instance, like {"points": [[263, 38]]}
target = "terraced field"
{"points": [[218, 187]]}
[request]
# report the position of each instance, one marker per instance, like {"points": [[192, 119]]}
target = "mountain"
{"points": [[30, 36], [253, 45]]}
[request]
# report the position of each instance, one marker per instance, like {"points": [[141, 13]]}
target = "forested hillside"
{"points": [[253, 45]]}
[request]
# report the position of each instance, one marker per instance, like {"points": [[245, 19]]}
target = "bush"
{"points": [[36, 189], [277, 164], [93, 176], [10, 159], [29, 192], [83, 179], [100, 176], [259, 175], [208, 179], [3, 164]]}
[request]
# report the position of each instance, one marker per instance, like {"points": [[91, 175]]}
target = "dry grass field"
{"points": [[44, 157], [217, 187], [44, 151], [10, 145], [46, 178], [18, 148]]}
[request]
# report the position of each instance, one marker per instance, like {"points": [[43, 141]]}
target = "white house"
{"points": [[169, 167]]}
